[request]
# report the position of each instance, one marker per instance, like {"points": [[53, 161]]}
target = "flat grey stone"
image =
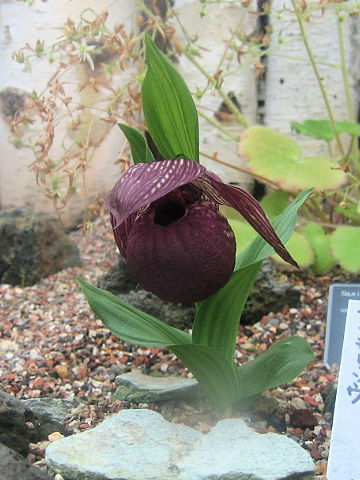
{"points": [[50, 414], [136, 387], [142, 445], [134, 444], [232, 450]]}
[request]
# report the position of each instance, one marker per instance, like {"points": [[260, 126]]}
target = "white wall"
{"points": [[291, 90]]}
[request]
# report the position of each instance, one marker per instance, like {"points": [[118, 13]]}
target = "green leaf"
{"points": [[140, 150], [320, 242], [274, 203], [129, 323], [300, 248], [217, 318], [280, 159], [280, 364], [322, 128], [216, 376], [244, 234], [169, 109], [224, 382], [344, 242], [284, 225]]}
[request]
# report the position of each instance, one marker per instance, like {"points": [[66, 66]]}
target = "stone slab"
{"points": [[142, 445], [136, 387]]}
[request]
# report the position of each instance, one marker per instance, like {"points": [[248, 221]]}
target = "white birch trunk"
{"points": [[292, 91]]}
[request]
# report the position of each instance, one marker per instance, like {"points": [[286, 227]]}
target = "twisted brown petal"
{"points": [[217, 191]]}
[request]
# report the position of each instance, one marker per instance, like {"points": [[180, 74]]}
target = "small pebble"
{"points": [[55, 436]]}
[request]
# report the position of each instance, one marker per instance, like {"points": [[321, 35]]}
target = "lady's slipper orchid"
{"points": [[167, 226]]}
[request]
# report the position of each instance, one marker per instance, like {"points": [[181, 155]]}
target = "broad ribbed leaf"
{"points": [[284, 225], [217, 377], [169, 109], [217, 317], [224, 382], [144, 183], [129, 323], [140, 150], [280, 364]]}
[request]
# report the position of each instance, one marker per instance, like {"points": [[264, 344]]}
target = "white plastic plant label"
{"points": [[344, 455]]}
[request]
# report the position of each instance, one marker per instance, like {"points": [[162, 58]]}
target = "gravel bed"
{"points": [[53, 346]]}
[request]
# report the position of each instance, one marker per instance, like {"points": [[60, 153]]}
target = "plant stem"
{"points": [[318, 78], [217, 125], [240, 169], [348, 94], [238, 116], [317, 208]]}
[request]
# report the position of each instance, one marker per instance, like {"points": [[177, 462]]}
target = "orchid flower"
{"points": [[167, 226]]}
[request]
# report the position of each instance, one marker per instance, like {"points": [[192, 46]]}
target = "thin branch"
{"points": [[318, 77]]}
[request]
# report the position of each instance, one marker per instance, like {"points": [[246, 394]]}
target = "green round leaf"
{"points": [[345, 246], [320, 242], [300, 249], [280, 159], [274, 203]]}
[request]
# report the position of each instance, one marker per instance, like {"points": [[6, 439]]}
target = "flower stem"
{"points": [[318, 77]]}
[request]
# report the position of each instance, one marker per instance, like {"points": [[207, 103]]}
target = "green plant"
{"points": [[209, 351]]}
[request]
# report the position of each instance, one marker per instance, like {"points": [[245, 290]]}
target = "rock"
{"points": [[32, 247], [302, 418], [45, 414], [135, 444], [50, 414], [270, 293], [7, 347], [14, 467], [136, 387], [14, 416], [178, 315], [140, 444], [233, 450], [117, 279]]}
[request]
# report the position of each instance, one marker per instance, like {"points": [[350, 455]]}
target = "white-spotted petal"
{"points": [[144, 183]]}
